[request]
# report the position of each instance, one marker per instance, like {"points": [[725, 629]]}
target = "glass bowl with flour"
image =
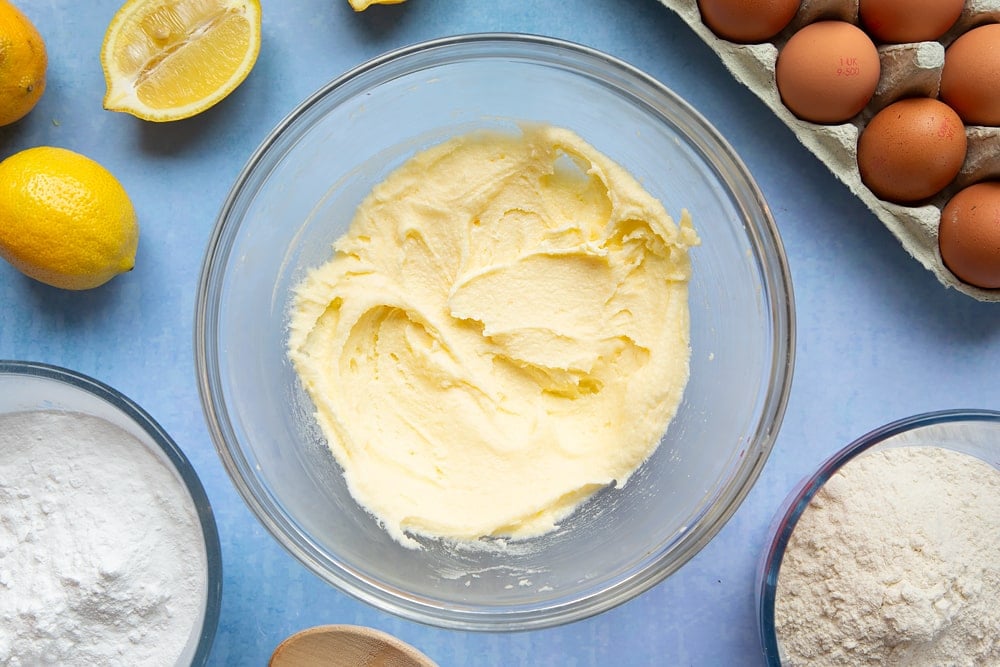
{"points": [[680, 404], [109, 553], [887, 554]]}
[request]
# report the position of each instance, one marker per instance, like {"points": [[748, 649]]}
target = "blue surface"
{"points": [[878, 337]]}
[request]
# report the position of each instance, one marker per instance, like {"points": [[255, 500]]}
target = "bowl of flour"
{"points": [[109, 552], [888, 553]]}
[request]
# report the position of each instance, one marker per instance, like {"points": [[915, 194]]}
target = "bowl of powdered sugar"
{"points": [[890, 553], [109, 553]]}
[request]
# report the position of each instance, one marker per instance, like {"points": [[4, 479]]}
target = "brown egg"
{"points": [[899, 21], [970, 80], [911, 150], [747, 21], [969, 235], [827, 72]]}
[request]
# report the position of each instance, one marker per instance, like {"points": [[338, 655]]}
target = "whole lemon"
{"points": [[64, 219], [23, 62]]}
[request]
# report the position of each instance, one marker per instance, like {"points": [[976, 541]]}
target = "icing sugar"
{"points": [[102, 561]]}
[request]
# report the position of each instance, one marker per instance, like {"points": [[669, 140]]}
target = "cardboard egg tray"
{"points": [[907, 70]]}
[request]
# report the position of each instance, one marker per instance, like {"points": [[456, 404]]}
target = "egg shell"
{"points": [[827, 72], [747, 21], [911, 150], [900, 21], [969, 235], [970, 79]]}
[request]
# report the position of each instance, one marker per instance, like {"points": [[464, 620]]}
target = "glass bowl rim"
{"points": [[762, 234], [798, 499], [177, 458]]}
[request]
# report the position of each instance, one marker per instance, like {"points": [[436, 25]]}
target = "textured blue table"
{"points": [[878, 337]]}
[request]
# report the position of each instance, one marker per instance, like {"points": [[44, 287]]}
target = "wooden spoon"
{"points": [[346, 646]]}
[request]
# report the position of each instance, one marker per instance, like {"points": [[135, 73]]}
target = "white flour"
{"points": [[896, 562], [102, 561]]}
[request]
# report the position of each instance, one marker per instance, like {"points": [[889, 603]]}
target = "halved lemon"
{"points": [[362, 5], [171, 59]]}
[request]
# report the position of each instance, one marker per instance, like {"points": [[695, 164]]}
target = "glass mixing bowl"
{"points": [[297, 195], [27, 386], [972, 432]]}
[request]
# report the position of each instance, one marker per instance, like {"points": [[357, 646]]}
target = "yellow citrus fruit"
{"points": [[23, 62], [64, 219], [361, 5], [166, 60]]}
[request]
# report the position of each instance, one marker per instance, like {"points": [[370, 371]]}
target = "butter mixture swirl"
{"points": [[502, 331]]}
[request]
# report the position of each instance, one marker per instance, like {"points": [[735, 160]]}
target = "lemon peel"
{"points": [[65, 220]]}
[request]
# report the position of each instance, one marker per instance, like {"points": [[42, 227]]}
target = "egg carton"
{"points": [[907, 70]]}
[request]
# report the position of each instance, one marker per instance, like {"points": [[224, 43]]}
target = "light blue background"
{"points": [[878, 337]]}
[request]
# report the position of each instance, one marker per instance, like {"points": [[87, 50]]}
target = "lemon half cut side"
{"points": [[167, 60]]}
